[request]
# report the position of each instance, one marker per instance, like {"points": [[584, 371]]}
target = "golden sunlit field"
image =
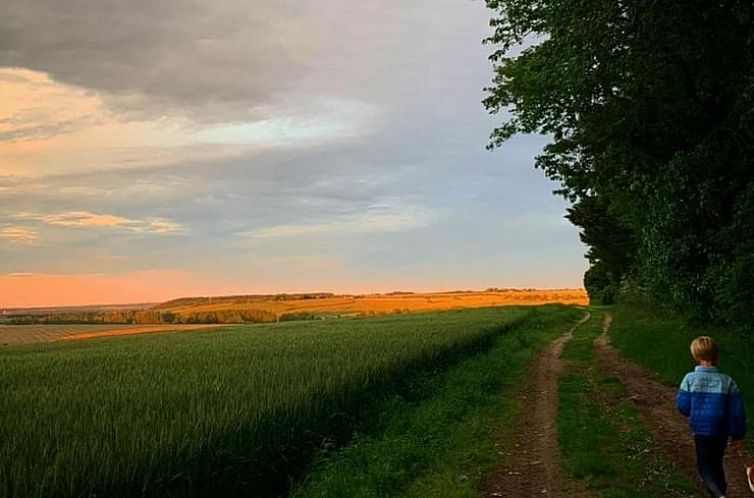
{"points": [[375, 303]]}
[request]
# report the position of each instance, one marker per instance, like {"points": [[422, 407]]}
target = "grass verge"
{"points": [[442, 442], [602, 440]]}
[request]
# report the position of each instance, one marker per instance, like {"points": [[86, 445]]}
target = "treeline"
{"points": [[650, 110], [240, 299], [146, 317]]}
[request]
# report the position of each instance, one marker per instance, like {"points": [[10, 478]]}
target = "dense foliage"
{"points": [[650, 106]]}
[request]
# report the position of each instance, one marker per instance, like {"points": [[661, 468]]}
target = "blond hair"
{"points": [[704, 348]]}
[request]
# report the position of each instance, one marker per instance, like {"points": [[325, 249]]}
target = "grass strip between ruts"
{"points": [[602, 439]]}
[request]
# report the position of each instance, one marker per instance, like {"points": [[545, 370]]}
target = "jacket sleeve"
{"points": [[736, 413], [683, 398]]}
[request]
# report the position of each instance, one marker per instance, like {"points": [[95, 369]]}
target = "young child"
{"points": [[716, 412]]}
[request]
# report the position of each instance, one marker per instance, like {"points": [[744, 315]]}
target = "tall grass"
{"points": [[218, 413]]}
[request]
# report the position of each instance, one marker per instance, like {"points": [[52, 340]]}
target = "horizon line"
{"points": [[334, 294]]}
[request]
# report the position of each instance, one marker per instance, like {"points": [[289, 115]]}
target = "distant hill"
{"points": [[182, 302], [283, 307], [325, 304]]}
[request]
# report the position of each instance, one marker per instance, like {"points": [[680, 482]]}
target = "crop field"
{"points": [[26, 334], [377, 303], [238, 410]]}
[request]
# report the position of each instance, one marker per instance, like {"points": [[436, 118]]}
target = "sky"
{"points": [[153, 149]]}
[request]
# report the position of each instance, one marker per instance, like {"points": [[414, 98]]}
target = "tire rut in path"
{"points": [[532, 463], [655, 403]]}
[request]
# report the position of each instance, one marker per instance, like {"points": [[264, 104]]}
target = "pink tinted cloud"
{"points": [[153, 225], [19, 234], [85, 218]]}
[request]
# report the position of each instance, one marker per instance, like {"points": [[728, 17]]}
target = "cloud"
{"points": [[84, 218], [89, 219], [328, 129], [19, 234], [229, 60], [34, 107], [319, 119], [377, 220], [47, 127], [169, 82], [216, 59]]}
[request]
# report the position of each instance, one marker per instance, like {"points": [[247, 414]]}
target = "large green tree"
{"points": [[650, 106]]}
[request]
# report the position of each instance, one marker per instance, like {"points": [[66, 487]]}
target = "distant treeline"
{"points": [[649, 107], [239, 299], [152, 317], [146, 317]]}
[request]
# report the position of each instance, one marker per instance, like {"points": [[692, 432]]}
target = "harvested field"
{"points": [[26, 334]]}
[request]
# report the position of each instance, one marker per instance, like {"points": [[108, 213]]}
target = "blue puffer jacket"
{"points": [[712, 402]]}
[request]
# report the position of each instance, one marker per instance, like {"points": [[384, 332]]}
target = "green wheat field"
{"points": [[236, 411]]}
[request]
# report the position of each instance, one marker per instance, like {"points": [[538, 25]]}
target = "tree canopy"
{"points": [[650, 110]]}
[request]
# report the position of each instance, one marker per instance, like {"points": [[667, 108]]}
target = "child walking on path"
{"points": [[713, 404]]}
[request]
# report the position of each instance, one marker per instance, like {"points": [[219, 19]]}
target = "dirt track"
{"points": [[655, 403], [532, 463]]}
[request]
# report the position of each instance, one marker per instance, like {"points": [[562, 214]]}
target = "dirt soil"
{"points": [[655, 403], [532, 462]]}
